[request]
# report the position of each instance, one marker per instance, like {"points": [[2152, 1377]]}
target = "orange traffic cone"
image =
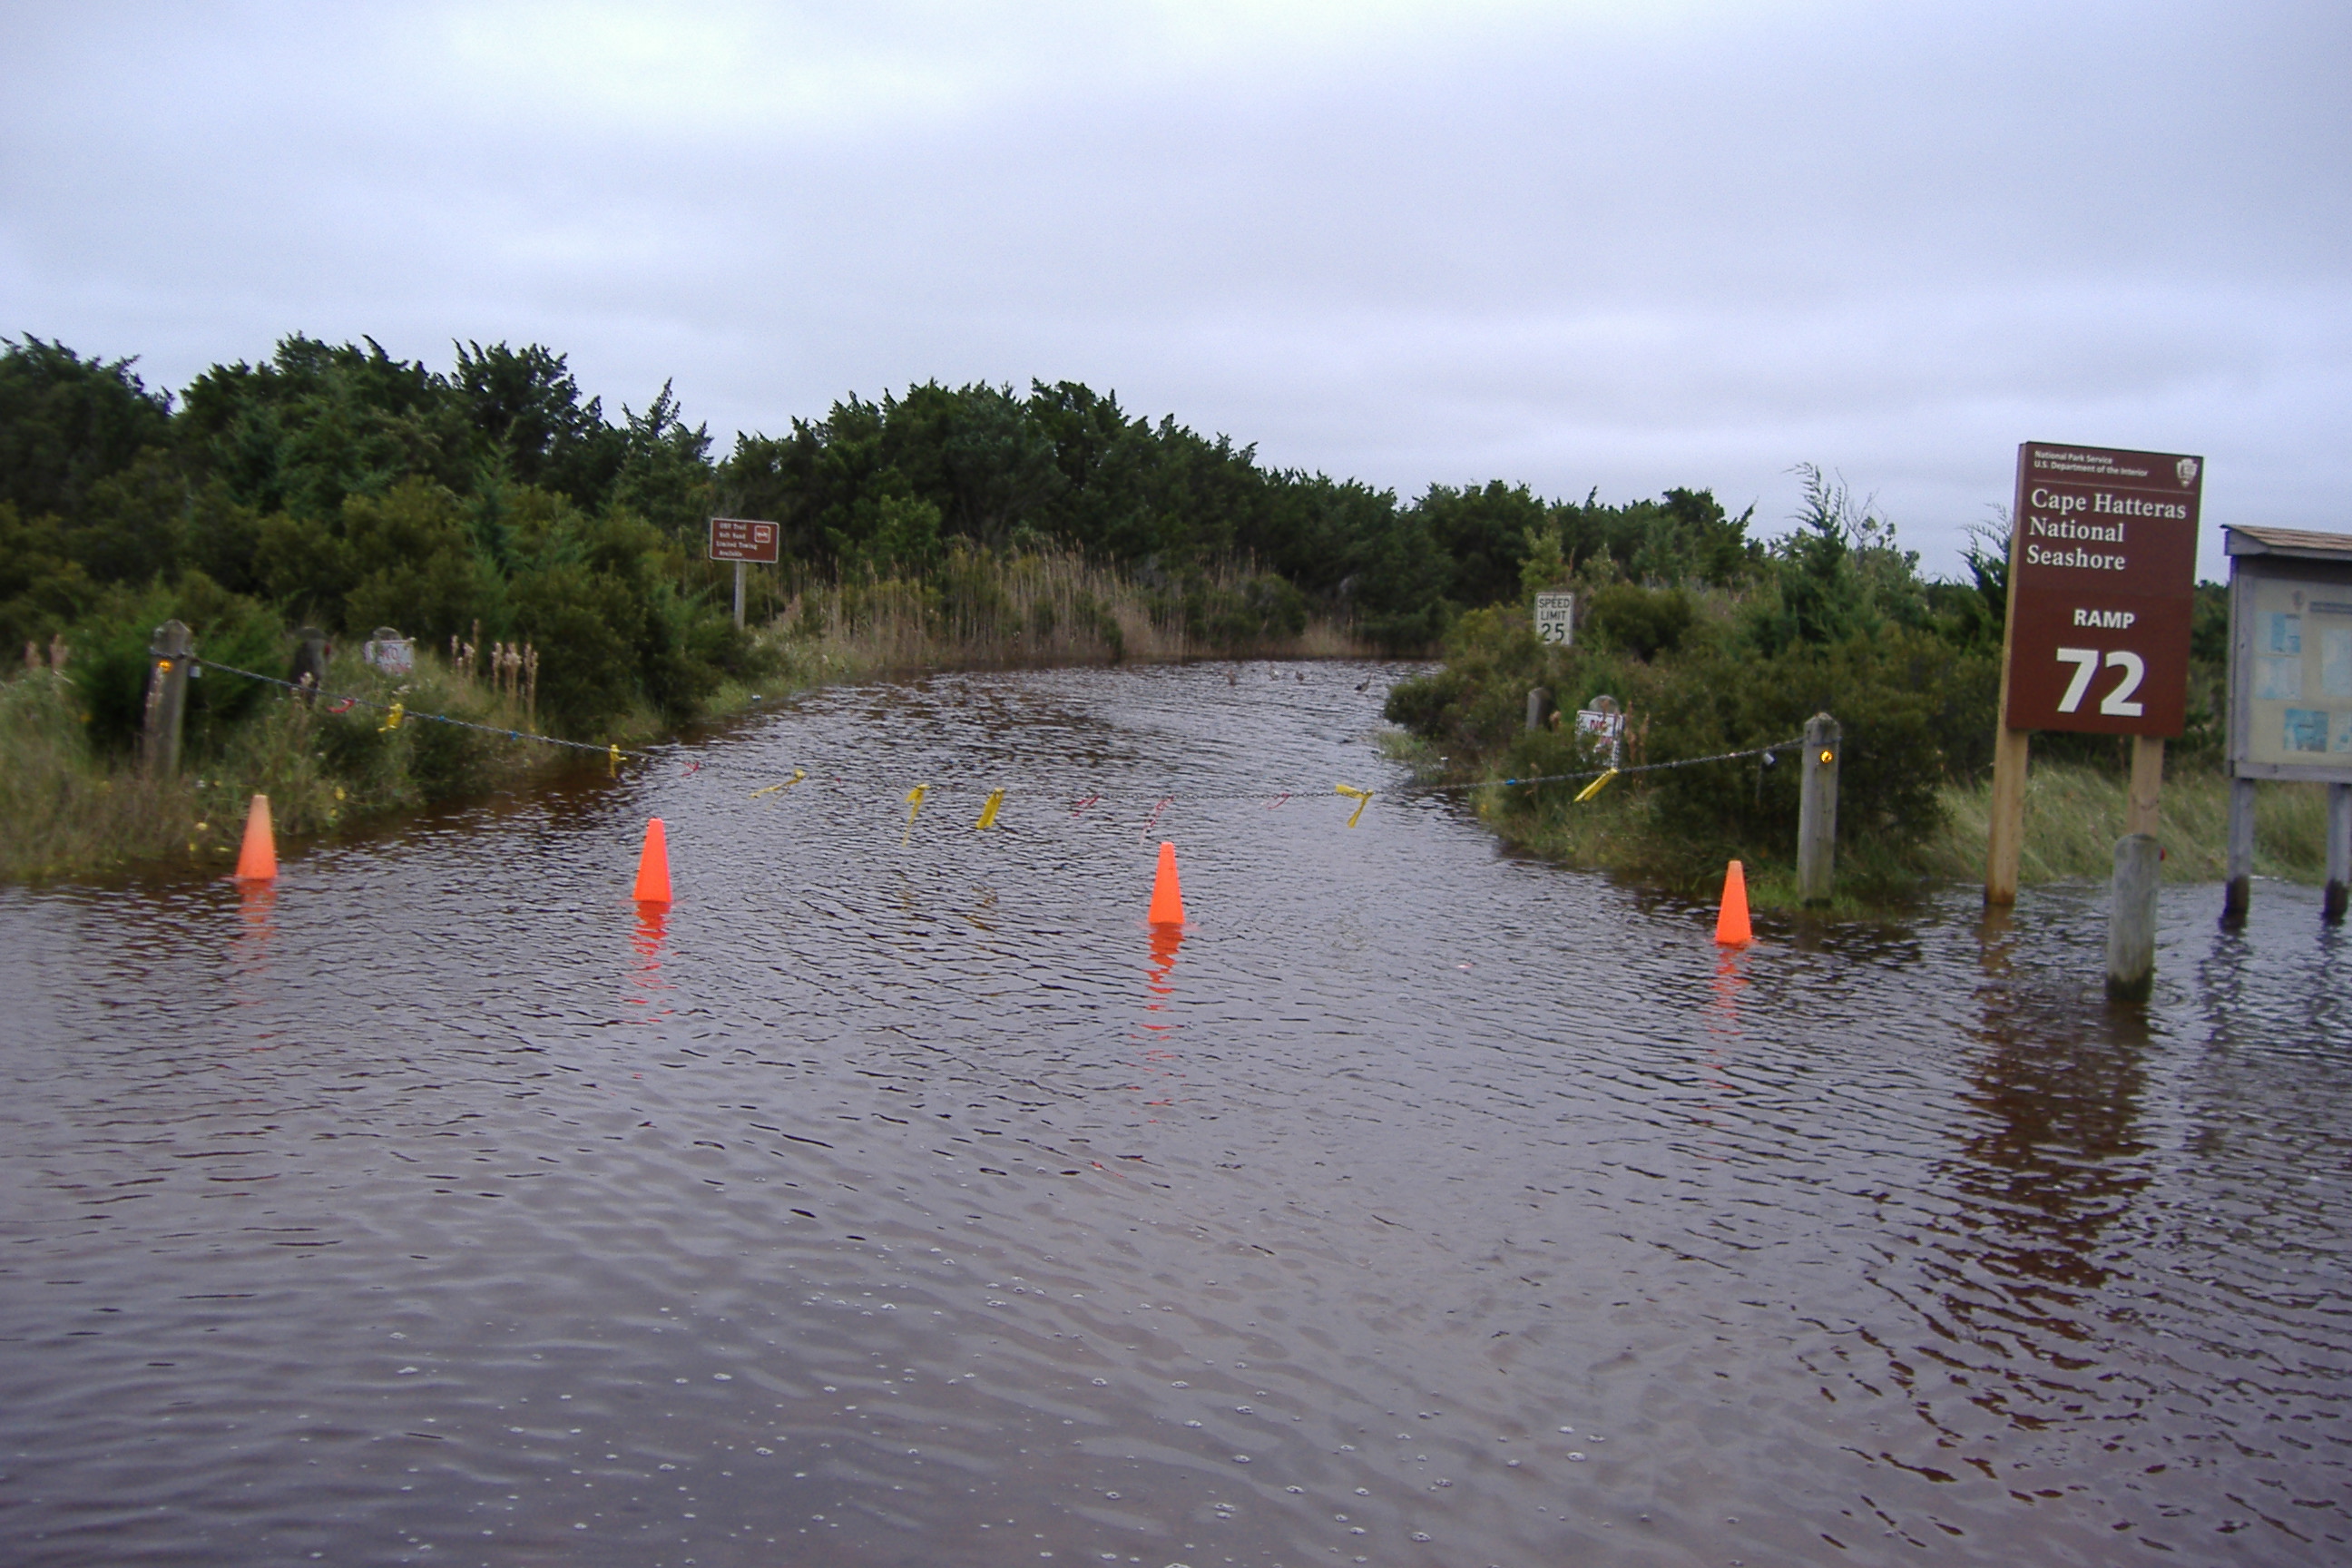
{"points": [[1167, 893], [652, 865], [1731, 926], [256, 861]]}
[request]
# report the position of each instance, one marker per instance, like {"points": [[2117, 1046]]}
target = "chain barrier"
{"points": [[1612, 772], [397, 713]]}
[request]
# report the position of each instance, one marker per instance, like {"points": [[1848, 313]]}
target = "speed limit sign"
{"points": [[1556, 618], [2102, 573]]}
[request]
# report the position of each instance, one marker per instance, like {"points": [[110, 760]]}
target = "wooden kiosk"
{"points": [[2290, 690]]}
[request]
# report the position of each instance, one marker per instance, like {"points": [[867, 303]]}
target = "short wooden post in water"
{"points": [[2131, 918], [2140, 864], [1817, 811], [1538, 701], [2339, 852], [172, 648], [2237, 891]]}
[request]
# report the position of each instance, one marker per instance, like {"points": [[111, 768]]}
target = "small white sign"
{"points": [[1606, 726], [1556, 618], [390, 652]]}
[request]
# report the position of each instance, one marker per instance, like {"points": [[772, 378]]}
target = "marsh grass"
{"points": [[2074, 815], [985, 611], [63, 809]]}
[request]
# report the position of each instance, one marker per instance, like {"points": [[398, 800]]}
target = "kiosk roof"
{"points": [[2301, 543]]}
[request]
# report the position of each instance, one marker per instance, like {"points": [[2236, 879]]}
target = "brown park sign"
{"points": [[744, 539], [2103, 580]]}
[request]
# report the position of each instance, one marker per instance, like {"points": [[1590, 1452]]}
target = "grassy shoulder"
{"points": [[2074, 814], [72, 804], [70, 807]]}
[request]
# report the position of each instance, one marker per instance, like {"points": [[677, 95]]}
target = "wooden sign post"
{"points": [[170, 653], [741, 539], [2102, 586], [1817, 811]]}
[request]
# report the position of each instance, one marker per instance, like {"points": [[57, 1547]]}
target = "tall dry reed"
{"points": [[64, 810], [2074, 816], [1054, 609]]}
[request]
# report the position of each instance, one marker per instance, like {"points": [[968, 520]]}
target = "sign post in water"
{"points": [[2102, 586]]}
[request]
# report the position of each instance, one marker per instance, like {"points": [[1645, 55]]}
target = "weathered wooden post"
{"points": [[172, 650], [2237, 890], [2131, 920], [2144, 798], [1538, 703], [2139, 863], [1817, 811], [312, 652], [2339, 852], [2005, 835]]}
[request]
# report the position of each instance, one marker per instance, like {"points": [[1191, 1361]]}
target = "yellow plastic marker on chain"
{"points": [[1362, 797], [914, 810], [988, 811], [798, 775], [391, 718], [1595, 787]]}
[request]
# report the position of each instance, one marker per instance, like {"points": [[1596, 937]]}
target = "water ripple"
{"points": [[893, 1201]]}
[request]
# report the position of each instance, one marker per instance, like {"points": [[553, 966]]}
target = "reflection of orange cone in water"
{"points": [[1165, 940], [258, 860], [1167, 896], [1731, 926], [652, 865]]}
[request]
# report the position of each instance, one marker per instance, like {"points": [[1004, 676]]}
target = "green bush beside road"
{"points": [[1834, 618]]}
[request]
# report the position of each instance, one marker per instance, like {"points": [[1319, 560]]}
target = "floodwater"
{"points": [[900, 1198]]}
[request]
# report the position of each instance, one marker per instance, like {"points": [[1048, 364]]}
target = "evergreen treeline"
{"points": [[338, 486]]}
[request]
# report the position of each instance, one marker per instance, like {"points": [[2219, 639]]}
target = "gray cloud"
{"points": [[1620, 245]]}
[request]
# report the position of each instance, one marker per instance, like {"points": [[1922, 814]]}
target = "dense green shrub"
{"points": [[1888, 695], [108, 662], [1644, 622], [347, 489], [1833, 621]]}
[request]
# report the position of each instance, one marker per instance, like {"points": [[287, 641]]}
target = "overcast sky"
{"points": [[1627, 245]]}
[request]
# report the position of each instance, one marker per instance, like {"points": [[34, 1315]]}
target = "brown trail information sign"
{"points": [[2102, 586], [2102, 577], [741, 539], [744, 539]]}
